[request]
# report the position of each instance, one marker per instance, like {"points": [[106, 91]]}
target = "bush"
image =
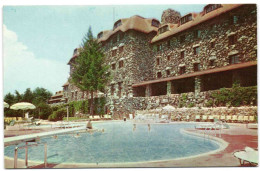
{"points": [[43, 111], [235, 96], [58, 115]]}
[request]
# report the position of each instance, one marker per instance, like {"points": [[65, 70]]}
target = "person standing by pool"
{"points": [[89, 124]]}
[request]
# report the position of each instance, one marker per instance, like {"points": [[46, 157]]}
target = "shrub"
{"points": [[58, 115], [44, 110]]}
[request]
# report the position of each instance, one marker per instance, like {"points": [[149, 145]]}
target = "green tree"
{"points": [[18, 96], [9, 98], [41, 95], [28, 96], [90, 73]]}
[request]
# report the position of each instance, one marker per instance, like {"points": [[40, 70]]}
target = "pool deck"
{"points": [[237, 138]]}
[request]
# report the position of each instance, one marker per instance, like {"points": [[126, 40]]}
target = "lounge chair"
{"points": [[248, 155], [228, 118], [246, 119], [251, 118], [211, 118], [240, 118], [197, 118], [173, 118], [216, 117], [234, 118], [204, 118], [222, 117], [188, 118]]}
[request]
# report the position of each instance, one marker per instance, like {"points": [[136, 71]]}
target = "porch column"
{"points": [[169, 87], [148, 90], [198, 85]]}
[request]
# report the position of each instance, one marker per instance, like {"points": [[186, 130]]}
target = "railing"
{"points": [[217, 124], [26, 153]]}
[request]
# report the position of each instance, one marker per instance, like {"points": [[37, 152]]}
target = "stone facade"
{"points": [[152, 67]]}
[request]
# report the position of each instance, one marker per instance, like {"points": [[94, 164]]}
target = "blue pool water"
{"points": [[120, 143]]}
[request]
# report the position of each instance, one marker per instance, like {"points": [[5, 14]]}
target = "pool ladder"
{"points": [[217, 124]]}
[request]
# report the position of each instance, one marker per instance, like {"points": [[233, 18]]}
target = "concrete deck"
{"points": [[23, 138]]}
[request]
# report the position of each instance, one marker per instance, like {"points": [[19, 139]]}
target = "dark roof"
{"points": [[197, 19], [193, 74], [66, 84]]}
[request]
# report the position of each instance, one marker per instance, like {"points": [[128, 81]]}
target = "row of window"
{"points": [[121, 65], [114, 52], [232, 39], [233, 59]]}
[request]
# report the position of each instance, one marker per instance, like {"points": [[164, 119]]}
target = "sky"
{"points": [[38, 41]]}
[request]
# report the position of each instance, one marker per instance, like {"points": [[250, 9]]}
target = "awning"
{"points": [[198, 73]]}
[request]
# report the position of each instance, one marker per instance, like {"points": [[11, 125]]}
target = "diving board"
{"points": [[23, 138]]}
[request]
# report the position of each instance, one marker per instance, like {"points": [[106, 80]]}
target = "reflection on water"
{"points": [[119, 142]]}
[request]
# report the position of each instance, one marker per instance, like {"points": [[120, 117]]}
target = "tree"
{"points": [[90, 73], [18, 96], [9, 98], [28, 96], [41, 95]]}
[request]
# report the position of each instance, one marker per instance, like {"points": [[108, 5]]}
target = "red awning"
{"points": [[193, 74]]}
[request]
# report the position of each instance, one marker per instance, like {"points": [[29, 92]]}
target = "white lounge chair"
{"points": [[248, 155], [234, 118], [197, 118], [240, 118]]}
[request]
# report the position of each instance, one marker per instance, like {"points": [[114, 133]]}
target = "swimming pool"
{"points": [[120, 142]]}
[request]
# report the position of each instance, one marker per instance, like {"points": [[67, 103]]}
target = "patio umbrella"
{"points": [[22, 106], [6, 105]]}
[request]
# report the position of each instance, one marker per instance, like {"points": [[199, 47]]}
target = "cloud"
{"points": [[23, 70]]}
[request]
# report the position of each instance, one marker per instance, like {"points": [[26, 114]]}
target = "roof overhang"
{"points": [[198, 73]]}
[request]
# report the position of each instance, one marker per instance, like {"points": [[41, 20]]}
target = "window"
{"points": [[212, 62], [231, 39], [211, 7], [234, 59], [117, 24], [158, 61], [114, 52], [121, 64], [168, 43], [182, 39], [121, 48], [82, 96], [186, 19], [119, 89], [76, 95], [159, 74], [182, 54], [196, 67], [113, 66], [155, 23], [168, 58], [212, 44], [197, 34], [182, 70], [112, 89], [159, 47], [234, 20], [100, 35], [163, 29], [168, 72], [196, 50]]}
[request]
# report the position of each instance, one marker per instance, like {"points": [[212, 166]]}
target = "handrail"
{"points": [[217, 123], [26, 153]]}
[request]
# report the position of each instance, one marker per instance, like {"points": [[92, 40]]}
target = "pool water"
{"points": [[120, 142]]}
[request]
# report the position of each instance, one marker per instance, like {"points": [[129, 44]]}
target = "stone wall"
{"points": [[217, 31]]}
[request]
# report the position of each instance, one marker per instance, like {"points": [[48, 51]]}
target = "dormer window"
{"points": [[100, 35], [117, 24], [211, 7], [155, 23], [163, 29], [186, 18]]}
